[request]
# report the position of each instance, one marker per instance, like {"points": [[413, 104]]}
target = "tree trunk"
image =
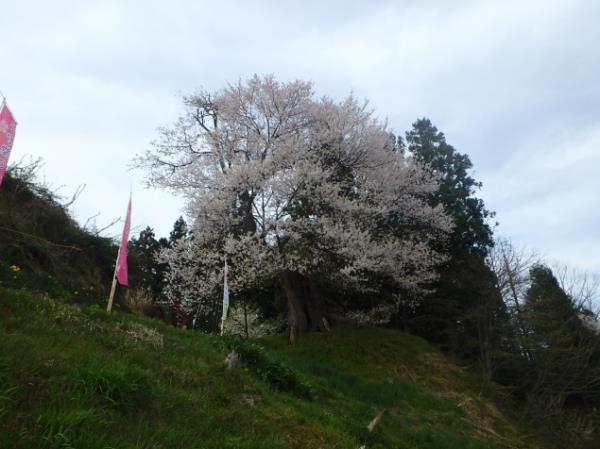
{"points": [[305, 305], [247, 225], [246, 319]]}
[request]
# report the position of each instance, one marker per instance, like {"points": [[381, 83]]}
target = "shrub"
{"points": [[274, 372]]}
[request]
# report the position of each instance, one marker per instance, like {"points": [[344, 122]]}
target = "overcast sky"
{"points": [[514, 84]]}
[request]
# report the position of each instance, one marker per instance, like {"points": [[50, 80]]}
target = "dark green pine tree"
{"points": [[563, 363], [147, 272], [472, 233], [180, 230], [549, 311], [465, 314]]}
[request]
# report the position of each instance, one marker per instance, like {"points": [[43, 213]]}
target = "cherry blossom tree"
{"points": [[289, 186]]}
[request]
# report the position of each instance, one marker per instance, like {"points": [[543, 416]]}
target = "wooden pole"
{"points": [[112, 294], [225, 288], [114, 283], [246, 318]]}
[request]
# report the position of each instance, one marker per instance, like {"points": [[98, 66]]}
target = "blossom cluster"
{"points": [[277, 179]]}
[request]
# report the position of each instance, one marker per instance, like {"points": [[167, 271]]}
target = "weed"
{"points": [[120, 386], [77, 377], [66, 429], [140, 333]]}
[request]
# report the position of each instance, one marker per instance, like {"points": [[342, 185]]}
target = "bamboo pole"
{"points": [[114, 281], [112, 294], [113, 287], [225, 289]]}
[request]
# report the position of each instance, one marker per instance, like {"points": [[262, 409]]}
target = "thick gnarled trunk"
{"points": [[247, 224], [306, 307]]}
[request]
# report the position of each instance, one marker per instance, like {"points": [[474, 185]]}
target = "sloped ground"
{"points": [[78, 378]]}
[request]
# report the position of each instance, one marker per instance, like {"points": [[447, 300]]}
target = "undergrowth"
{"points": [[74, 376], [274, 372]]}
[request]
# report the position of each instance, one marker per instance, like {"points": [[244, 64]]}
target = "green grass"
{"points": [[78, 378]]}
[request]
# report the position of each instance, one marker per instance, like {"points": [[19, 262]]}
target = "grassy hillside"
{"points": [[51, 251], [73, 377]]}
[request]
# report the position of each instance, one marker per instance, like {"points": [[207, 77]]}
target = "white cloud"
{"points": [[545, 194]]}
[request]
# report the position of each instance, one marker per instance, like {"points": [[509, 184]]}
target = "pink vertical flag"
{"points": [[121, 271], [8, 125]]}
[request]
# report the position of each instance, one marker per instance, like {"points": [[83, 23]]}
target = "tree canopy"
{"points": [[472, 233], [306, 190]]}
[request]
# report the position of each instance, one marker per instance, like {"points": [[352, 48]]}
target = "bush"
{"points": [[274, 372]]}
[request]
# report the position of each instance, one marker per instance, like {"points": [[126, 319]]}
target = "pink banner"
{"points": [[121, 270], [8, 125]]}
